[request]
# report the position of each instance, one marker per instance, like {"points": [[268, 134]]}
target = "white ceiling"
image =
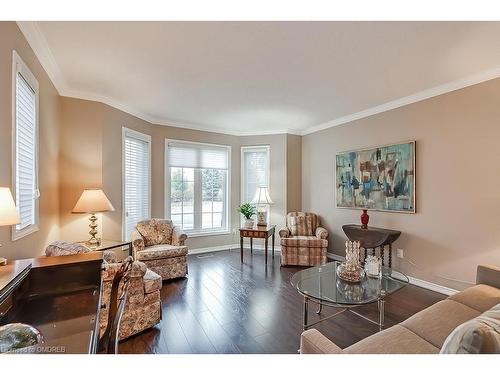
{"points": [[263, 77]]}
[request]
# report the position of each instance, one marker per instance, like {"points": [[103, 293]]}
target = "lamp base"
{"points": [[93, 241], [262, 218], [3, 261]]}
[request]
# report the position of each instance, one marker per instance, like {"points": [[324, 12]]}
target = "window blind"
{"points": [[255, 170], [192, 155], [26, 153], [136, 195]]}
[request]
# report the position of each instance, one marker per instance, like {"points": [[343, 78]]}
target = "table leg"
{"points": [[251, 245], [241, 249], [305, 312], [381, 313], [266, 248], [273, 245], [390, 255], [130, 249]]}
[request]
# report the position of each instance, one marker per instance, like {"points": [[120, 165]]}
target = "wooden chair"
{"points": [[108, 343]]}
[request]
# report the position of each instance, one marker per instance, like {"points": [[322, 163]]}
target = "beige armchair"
{"points": [[303, 241], [160, 245]]}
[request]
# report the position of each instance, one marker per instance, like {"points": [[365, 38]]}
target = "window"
{"points": [[25, 147], [197, 180], [254, 170], [136, 179]]}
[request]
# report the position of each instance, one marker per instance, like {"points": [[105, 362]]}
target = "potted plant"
{"points": [[247, 210]]}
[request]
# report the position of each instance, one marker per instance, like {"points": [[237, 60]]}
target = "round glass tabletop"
{"points": [[322, 283]]}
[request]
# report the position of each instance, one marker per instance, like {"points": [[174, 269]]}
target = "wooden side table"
{"points": [[257, 232], [371, 238]]}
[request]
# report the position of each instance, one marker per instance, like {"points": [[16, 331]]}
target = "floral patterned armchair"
{"points": [[143, 304], [160, 245], [303, 241]]}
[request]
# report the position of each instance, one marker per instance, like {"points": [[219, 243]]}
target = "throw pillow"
{"points": [[298, 226], [155, 231], [480, 335]]}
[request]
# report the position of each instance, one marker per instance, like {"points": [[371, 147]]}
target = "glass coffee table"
{"points": [[322, 286]]}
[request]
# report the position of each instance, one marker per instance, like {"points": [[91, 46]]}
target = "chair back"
{"points": [[109, 340], [302, 223], [156, 231]]}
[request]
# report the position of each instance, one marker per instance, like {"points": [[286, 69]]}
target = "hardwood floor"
{"points": [[224, 306]]}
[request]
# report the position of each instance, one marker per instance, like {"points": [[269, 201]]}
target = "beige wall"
{"points": [[80, 160], [11, 38], [456, 225], [294, 172]]}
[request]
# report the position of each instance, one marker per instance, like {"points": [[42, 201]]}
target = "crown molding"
{"points": [[410, 99], [39, 44]]}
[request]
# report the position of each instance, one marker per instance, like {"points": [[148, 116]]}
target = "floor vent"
{"points": [[204, 256]]}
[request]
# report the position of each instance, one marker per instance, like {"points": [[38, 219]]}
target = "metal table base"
{"points": [[306, 325]]}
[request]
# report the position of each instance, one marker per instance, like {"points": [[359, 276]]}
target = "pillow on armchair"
{"points": [[301, 225], [155, 231]]}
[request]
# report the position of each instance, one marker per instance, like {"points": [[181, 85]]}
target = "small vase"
{"points": [[365, 218], [248, 223]]}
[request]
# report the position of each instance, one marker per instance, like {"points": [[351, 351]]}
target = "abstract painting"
{"points": [[380, 178]]}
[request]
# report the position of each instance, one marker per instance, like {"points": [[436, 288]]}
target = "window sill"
{"points": [[17, 235], [207, 234]]}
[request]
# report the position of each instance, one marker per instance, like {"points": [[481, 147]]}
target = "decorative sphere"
{"points": [[18, 335]]}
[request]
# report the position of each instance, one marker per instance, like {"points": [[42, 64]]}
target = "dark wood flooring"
{"points": [[224, 306]]}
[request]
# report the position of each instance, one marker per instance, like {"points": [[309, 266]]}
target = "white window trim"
{"points": [[18, 66], [200, 233], [146, 138], [242, 162]]}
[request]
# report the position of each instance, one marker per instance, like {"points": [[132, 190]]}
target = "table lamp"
{"points": [[262, 200], [91, 202], [8, 213]]}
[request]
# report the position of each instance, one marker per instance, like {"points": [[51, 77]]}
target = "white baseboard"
{"points": [[212, 249], [413, 280], [432, 286]]}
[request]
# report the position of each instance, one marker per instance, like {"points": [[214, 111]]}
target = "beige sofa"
{"points": [[424, 332]]}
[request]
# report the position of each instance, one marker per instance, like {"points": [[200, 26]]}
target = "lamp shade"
{"points": [[262, 196], [92, 201], [8, 210]]}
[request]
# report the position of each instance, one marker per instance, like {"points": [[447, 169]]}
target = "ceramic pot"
{"points": [[248, 223]]}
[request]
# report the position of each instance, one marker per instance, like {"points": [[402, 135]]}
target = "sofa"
{"points": [[424, 332], [143, 304], [160, 245], [303, 241]]}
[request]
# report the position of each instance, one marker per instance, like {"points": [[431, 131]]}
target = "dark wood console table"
{"points": [[60, 296], [372, 238]]}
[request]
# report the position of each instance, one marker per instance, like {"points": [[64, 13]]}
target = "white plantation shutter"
{"points": [[255, 165], [26, 153], [136, 179]]}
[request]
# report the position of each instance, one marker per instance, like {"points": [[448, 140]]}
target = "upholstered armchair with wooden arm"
{"points": [[303, 241], [160, 245], [143, 304]]}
